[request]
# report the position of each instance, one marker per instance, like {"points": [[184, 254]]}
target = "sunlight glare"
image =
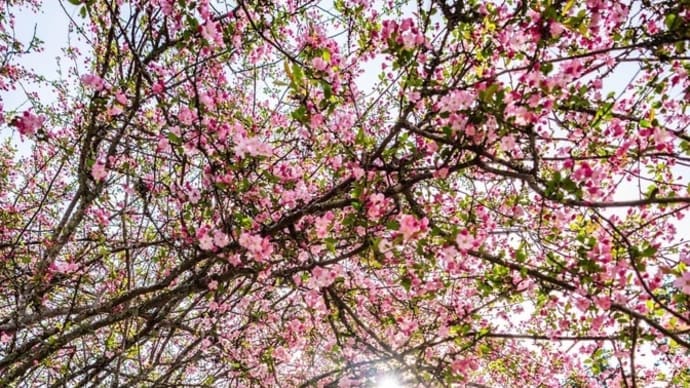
{"points": [[388, 381]]}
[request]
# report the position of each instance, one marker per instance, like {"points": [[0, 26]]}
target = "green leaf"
{"points": [[521, 255], [393, 225], [670, 21], [546, 68], [330, 244], [298, 74], [648, 252], [406, 282], [174, 139], [300, 114]]}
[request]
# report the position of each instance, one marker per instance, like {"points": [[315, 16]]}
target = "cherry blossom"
{"points": [[28, 123], [99, 171], [345, 193], [683, 282]]}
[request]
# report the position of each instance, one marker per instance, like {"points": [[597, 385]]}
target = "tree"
{"points": [[306, 193]]}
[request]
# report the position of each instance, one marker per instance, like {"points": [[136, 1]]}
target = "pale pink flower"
{"points": [[163, 145], [322, 277], [259, 247], [98, 171], [319, 64], [603, 302], [252, 146], [194, 196], [556, 29], [441, 173], [410, 225], [408, 40], [93, 81], [121, 98], [210, 32], [220, 239], [206, 242], [456, 100], [376, 206], [683, 282]]}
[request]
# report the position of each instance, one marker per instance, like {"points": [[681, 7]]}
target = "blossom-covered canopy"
{"points": [[326, 193]]}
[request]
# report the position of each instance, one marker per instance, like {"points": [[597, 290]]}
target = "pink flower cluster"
{"points": [[683, 282], [98, 171], [410, 226], [322, 277], [259, 247], [93, 81], [28, 123], [466, 241], [252, 146], [209, 241], [376, 206]]}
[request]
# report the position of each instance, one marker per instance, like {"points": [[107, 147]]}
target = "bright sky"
{"points": [[51, 26]]}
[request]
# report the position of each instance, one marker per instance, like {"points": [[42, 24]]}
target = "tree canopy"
{"points": [[330, 193]]}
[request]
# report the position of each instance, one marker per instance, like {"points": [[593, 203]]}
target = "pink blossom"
{"points": [[206, 242], [603, 302], [63, 267], [660, 136], [408, 40], [376, 206], [319, 64], [186, 116], [5, 338], [93, 81], [508, 143], [556, 29], [259, 247], [158, 87], [28, 123], [322, 277], [314, 300], [406, 24], [464, 240], [207, 101], [410, 225], [582, 304], [463, 366], [211, 33], [114, 110], [413, 96], [598, 321], [121, 98], [98, 171], [456, 100], [441, 173], [163, 145], [250, 241], [357, 172], [252, 146], [683, 282], [220, 239], [193, 195], [322, 225]]}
